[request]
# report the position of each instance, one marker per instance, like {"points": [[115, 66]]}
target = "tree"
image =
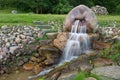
{"points": [[62, 7], [111, 5]]}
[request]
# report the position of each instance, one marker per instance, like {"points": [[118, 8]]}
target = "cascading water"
{"points": [[77, 43]]}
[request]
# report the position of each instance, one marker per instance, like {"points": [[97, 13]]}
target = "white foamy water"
{"points": [[77, 43]]}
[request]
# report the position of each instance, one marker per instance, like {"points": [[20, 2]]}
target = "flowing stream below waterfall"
{"points": [[77, 44]]}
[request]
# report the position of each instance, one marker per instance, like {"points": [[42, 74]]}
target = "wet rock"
{"points": [[28, 66], [100, 45], [61, 40], [80, 63], [112, 72], [102, 62], [49, 62], [93, 37], [55, 76]]}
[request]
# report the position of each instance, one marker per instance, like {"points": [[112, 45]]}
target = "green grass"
{"points": [[83, 75], [13, 19], [112, 53], [27, 19]]}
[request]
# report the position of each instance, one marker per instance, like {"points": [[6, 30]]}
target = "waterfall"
{"points": [[77, 43]]}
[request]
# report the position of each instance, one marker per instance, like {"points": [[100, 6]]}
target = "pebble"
{"points": [[14, 37]]}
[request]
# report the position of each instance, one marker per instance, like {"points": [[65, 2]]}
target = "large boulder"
{"points": [[112, 72], [100, 10], [82, 13]]}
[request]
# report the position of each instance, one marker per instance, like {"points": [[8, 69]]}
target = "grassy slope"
{"points": [[6, 19]]}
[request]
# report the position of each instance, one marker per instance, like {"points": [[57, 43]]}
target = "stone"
{"points": [[20, 63], [100, 45], [52, 35], [81, 63], [91, 53], [28, 66], [44, 42], [108, 71], [68, 76], [37, 69], [93, 37], [61, 40], [55, 76], [33, 59], [13, 48], [77, 13], [49, 62], [14, 11], [102, 62]]}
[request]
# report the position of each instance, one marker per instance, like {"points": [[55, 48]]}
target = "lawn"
{"points": [[27, 19]]}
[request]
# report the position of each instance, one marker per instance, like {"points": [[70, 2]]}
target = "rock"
{"points": [[61, 40], [93, 37], [37, 69], [44, 42], [100, 10], [100, 45], [49, 62], [28, 66], [102, 62], [91, 53], [81, 63], [55, 76], [37, 55], [89, 20], [33, 59], [14, 11], [52, 35], [12, 49], [20, 63], [90, 78], [108, 71], [68, 76]]}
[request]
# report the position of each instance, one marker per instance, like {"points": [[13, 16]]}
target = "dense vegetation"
{"points": [[57, 6]]}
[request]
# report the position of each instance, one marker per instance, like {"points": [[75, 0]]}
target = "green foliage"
{"points": [[62, 7], [80, 76], [111, 5], [40, 79], [57, 6], [83, 75], [112, 53]]}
